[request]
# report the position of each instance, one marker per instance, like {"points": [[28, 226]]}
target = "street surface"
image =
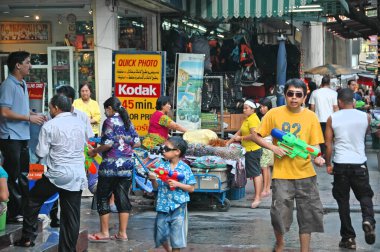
{"points": [[241, 228]]}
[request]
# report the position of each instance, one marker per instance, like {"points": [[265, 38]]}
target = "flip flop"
{"points": [[97, 238], [255, 204], [116, 237]]}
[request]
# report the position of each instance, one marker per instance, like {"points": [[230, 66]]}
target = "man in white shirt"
{"points": [[323, 102], [69, 92], [61, 140]]}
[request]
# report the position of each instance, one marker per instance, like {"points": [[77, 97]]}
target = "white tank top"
{"points": [[350, 126]]}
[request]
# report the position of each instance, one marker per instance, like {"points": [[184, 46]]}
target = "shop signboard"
{"points": [[189, 82], [139, 79], [36, 95]]}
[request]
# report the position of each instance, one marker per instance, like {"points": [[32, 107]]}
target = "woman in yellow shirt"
{"points": [[88, 106], [253, 151]]}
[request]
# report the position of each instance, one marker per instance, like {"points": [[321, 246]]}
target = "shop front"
{"points": [[71, 41]]}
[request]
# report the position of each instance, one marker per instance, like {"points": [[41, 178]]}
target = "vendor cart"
{"points": [[212, 185]]}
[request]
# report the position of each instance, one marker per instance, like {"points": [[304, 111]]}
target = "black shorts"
{"points": [[119, 186], [252, 163]]}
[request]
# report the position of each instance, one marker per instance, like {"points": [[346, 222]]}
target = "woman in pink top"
{"points": [[160, 124]]}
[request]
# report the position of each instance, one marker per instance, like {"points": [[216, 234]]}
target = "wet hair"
{"points": [[82, 85], [115, 104], [349, 82], [1, 158], [346, 95], [67, 91], [325, 80], [297, 83], [266, 102], [178, 143], [62, 102], [312, 86], [162, 101], [16, 57]]}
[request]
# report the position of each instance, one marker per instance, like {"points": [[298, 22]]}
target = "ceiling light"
{"points": [[286, 22], [220, 36], [90, 11], [310, 6], [45, 6], [306, 10], [26, 16], [5, 12], [36, 17]]}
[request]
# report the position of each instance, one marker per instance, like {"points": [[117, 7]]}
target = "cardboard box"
{"points": [[214, 179], [236, 121], [226, 119]]}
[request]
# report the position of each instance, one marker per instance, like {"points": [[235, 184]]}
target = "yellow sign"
{"points": [[138, 79]]}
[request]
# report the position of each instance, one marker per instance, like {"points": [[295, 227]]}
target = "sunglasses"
{"points": [[167, 149], [292, 93]]}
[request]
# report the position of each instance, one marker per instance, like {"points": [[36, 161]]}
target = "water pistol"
{"points": [[293, 145], [165, 175], [89, 162]]}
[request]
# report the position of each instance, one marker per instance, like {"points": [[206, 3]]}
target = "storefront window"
{"points": [[132, 33]]}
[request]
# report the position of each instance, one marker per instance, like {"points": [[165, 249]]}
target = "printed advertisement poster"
{"points": [[189, 89], [138, 81], [36, 95]]}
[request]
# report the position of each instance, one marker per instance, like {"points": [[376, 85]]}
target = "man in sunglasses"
{"points": [[294, 179], [324, 102]]}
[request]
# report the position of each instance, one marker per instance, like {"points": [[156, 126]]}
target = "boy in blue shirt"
{"points": [[172, 197]]}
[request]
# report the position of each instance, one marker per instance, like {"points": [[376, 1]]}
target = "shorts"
{"points": [[119, 186], [308, 204], [173, 226], [252, 163], [267, 158]]}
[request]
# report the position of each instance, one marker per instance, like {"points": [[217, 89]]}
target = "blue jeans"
{"points": [[355, 176], [173, 226]]}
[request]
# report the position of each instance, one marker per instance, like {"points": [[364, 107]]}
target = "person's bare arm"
{"points": [[187, 188], [153, 179], [31, 117], [4, 193], [312, 107], [100, 149], [260, 141], [335, 108], [329, 135], [175, 126], [234, 138]]}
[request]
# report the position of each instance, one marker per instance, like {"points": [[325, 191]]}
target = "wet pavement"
{"points": [[241, 228]]}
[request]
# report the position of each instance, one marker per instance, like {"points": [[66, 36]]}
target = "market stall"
{"points": [[218, 169]]}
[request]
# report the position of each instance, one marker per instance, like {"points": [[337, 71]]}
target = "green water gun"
{"points": [[293, 145]]}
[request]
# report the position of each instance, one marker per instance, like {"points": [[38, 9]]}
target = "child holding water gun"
{"points": [[172, 197]]}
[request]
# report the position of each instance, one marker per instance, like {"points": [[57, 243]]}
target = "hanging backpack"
{"points": [[200, 45], [249, 71]]}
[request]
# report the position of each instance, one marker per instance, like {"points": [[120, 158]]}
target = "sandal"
{"points": [[97, 238], [24, 242], [116, 237], [255, 204]]}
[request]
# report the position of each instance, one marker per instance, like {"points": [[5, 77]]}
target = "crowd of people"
{"points": [[71, 122]]}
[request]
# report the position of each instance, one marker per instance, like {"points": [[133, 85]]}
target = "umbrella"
{"points": [[281, 70], [331, 69]]}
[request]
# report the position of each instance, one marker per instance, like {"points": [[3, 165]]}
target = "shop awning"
{"points": [[218, 9]]}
